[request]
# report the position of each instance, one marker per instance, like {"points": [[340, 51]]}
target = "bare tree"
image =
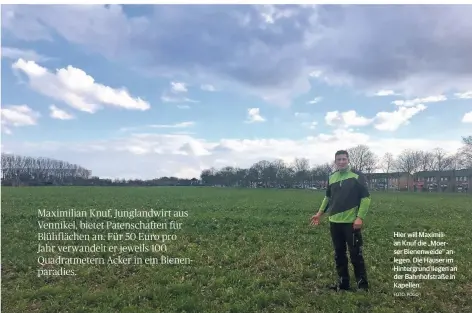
{"points": [[264, 169], [362, 158], [440, 159], [387, 163], [23, 170], [324, 169], [465, 153], [453, 163], [408, 161], [301, 165], [371, 164], [426, 161], [280, 171], [302, 168]]}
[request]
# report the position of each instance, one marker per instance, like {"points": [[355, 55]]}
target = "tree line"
{"points": [[28, 171], [21, 170], [278, 173]]}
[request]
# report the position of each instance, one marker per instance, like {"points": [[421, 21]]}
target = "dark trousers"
{"points": [[342, 234]]}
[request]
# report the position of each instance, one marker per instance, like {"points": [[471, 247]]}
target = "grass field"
{"points": [[252, 251]]}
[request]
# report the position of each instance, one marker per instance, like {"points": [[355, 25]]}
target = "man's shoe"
{"points": [[362, 285], [340, 285]]}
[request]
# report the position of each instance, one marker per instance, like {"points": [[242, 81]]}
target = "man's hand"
{"points": [[357, 223], [315, 219]]}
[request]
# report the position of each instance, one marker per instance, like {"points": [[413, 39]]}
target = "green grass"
{"points": [[253, 251]]}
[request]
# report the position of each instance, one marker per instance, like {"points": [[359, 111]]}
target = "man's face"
{"points": [[341, 161]]}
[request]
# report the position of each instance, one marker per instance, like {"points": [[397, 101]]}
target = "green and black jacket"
{"points": [[347, 196]]}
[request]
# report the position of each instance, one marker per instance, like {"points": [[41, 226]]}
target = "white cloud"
{"points": [[332, 118], [467, 117], [346, 119], [271, 13], [464, 95], [384, 121], [167, 98], [15, 54], [253, 116], [182, 133], [154, 155], [316, 74], [275, 57], [175, 94], [177, 125], [415, 102], [311, 125], [188, 172], [383, 93], [59, 114], [178, 87], [315, 100], [17, 116], [208, 88], [76, 88], [391, 121]]}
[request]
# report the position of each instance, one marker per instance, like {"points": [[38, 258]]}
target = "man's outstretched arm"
{"points": [[365, 197], [325, 203]]}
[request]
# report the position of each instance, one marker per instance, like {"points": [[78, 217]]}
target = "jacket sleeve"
{"points": [[325, 204], [364, 196]]}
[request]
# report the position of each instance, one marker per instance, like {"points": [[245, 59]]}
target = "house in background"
{"points": [[403, 180], [463, 180], [378, 181], [444, 181], [423, 181], [392, 181]]}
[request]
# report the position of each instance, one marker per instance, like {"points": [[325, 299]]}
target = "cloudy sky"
{"points": [[148, 91]]}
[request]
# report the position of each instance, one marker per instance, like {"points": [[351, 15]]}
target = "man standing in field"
{"points": [[347, 200]]}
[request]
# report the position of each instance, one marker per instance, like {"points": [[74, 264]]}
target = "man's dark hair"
{"points": [[339, 152]]}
